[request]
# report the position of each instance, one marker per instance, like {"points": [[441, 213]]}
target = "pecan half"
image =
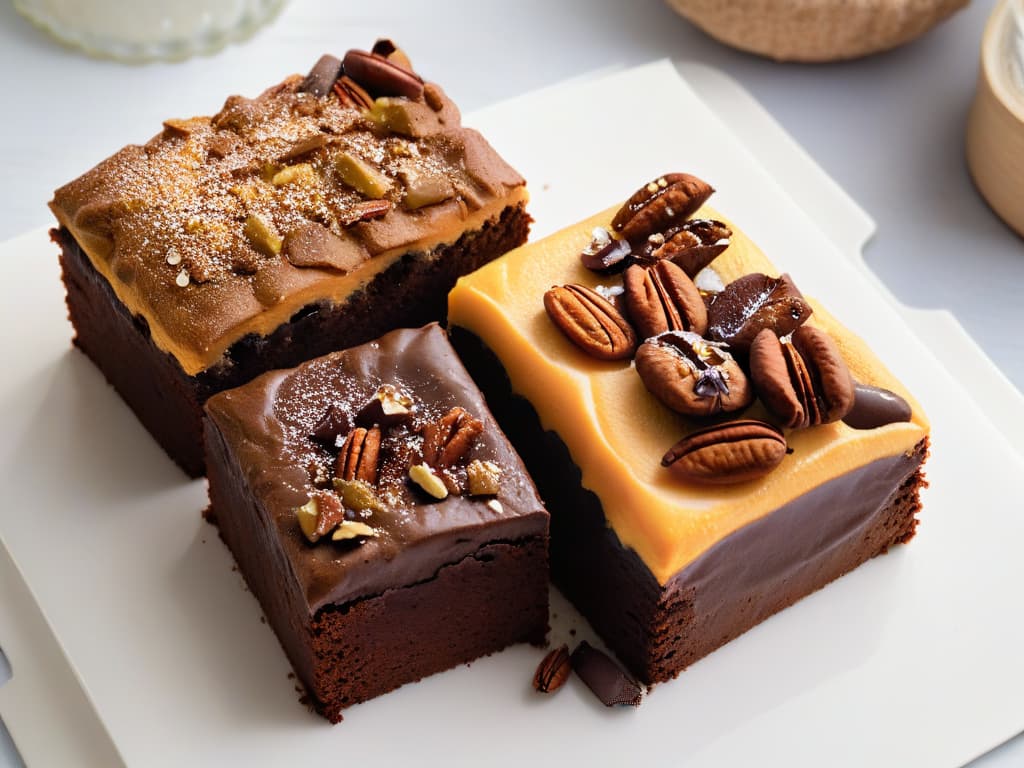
{"points": [[691, 376], [728, 453], [752, 303], [553, 670], [665, 202], [448, 439], [380, 76], [359, 456], [805, 381], [590, 321], [352, 94], [662, 298]]}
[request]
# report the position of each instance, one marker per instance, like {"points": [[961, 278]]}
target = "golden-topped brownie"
{"points": [[711, 444], [327, 210]]}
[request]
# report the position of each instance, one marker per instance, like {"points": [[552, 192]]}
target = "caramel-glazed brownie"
{"points": [[322, 213], [379, 515], [711, 444]]}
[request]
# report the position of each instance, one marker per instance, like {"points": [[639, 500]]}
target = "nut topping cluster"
{"points": [[388, 443], [703, 348]]}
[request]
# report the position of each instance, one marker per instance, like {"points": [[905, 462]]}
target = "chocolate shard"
{"points": [[330, 431], [604, 677], [875, 407], [322, 76]]}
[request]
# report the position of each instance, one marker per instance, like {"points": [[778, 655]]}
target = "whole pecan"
{"points": [[754, 302], [805, 381], [665, 202], [359, 456], [553, 670], [381, 76], [590, 321], [691, 376], [662, 298], [728, 453], [448, 439]]}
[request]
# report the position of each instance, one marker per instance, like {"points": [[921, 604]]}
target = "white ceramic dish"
{"points": [[131, 637]]}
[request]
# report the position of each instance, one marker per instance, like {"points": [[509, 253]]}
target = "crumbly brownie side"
{"points": [[657, 631], [169, 402]]}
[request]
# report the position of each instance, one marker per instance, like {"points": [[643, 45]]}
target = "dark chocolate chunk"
{"points": [[752, 303], [322, 76], [386, 408], [875, 407], [330, 431], [604, 677], [605, 254]]}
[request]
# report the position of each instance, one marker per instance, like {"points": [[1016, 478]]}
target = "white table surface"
{"points": [[889, 129]]}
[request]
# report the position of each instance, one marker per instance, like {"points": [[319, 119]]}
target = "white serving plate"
{"points": [[132, 639]]}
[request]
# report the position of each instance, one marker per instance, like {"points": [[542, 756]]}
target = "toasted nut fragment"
{"points": [[408, 118], [361, 176], [319, 515], [358, 495], [262, 236], [424, 477], [352, 529], [300, 173], [307, 515], [387, 407], [484, 478], [422, 191]]}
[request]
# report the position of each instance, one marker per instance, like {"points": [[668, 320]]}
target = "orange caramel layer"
{"points": [[617, 432]]}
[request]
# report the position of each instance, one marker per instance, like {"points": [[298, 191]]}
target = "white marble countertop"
{"points": [[889, 129]]}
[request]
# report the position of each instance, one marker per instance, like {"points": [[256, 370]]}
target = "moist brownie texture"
{"points": [[711, 482], [324, 482], [320, 214]]}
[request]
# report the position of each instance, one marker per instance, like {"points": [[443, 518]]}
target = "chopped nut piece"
{"points": [[358, 495], [496, 506], [308, 514], [302, 172], [361, 176], [408, 118], [173, 256], [262, 236], [484, 478], [424, 477], [351, 529], [387, 407], [422, 191], [182, 279]]}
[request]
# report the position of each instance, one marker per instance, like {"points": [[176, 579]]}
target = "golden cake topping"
{"points": [[301, 194]]}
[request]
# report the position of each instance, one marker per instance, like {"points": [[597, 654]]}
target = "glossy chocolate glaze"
{"points": [[267, 425]]}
